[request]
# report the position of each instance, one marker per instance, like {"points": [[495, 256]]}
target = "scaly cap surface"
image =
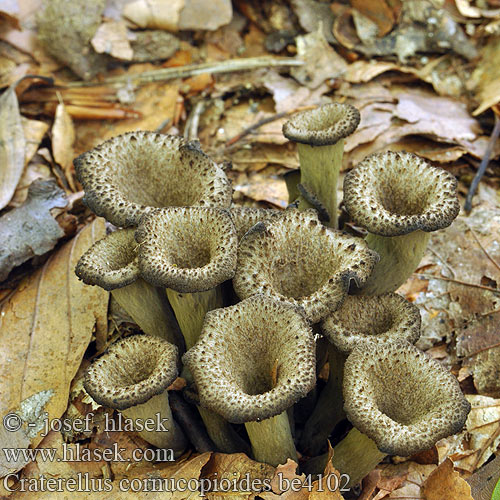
{"points": [[322, 126], [401, 398], [132, 371], [395, 193], [111, 262], [188, 249], [242, 348], [296, 259], [127, 176], [373, 318]]}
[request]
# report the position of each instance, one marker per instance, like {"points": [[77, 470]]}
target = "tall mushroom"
{"points": [[400, 402], [128, 175], [361, 319], [112, 264], [189, 251], [133, 376], [252, 362], [399, 198], [298, 260], [320, 136]]}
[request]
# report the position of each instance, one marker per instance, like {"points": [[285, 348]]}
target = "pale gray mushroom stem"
{"points": [[112, 264], [399, 199], [133, 377], [361, 319], [252, 362], [320, 136], [400, 402]]}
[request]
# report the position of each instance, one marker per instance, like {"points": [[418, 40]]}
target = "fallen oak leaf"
{"points": [[63, 138], [445, 483], [46, 325]]}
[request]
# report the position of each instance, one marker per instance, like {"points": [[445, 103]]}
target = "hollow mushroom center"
{"points": [[367, 323], [190, 248], [151, 176], [398, 195], [134, 371], [259, 369], [392, 397], [299, 270]]}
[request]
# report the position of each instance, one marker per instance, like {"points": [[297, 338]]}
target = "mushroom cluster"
{"points": [[245, 294]]}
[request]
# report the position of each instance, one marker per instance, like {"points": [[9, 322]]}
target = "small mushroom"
{"points": [[320, 136], [189, 251], [361, 319], [127, 176], [252, 362], [377, 318], [400, 401], [112, 264], [298, 260], [133, 376], [399, 198]]}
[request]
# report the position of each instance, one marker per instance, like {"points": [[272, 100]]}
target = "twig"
{"points": [[464, 283], [483, 165], [261, 123], [490, 258], [193, 121], [164, 74]]}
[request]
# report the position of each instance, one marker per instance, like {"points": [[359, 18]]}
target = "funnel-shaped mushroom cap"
{"points": [[296, 259], [188, 249], [395, 193], [253, 360], [322, 126], [401, 398], [132, 371], [128, 175], [111, 262], [245, 218], [375, 318]]}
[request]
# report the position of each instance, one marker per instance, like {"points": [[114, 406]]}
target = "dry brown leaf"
{"points": [[481, 437], [445, 483], [286, 484], [486, 76], [46, 327], [377, 11], [63, 139], [265, 188], [12, 145], [108, 480], [111, 38]]}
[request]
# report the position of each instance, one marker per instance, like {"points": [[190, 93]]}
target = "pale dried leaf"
{"points": [[63, 139], [467, 10], [46, 327], [445, 483], [31, 229], [321, 62], [159, 14], [486, 77], [12, 145], [264, 188], [111, 38], [480, 439]]}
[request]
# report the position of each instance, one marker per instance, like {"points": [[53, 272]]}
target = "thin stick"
{"points": [[464, 283], [261, 123], [164, 74], [490, 258], [483, 165]]}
